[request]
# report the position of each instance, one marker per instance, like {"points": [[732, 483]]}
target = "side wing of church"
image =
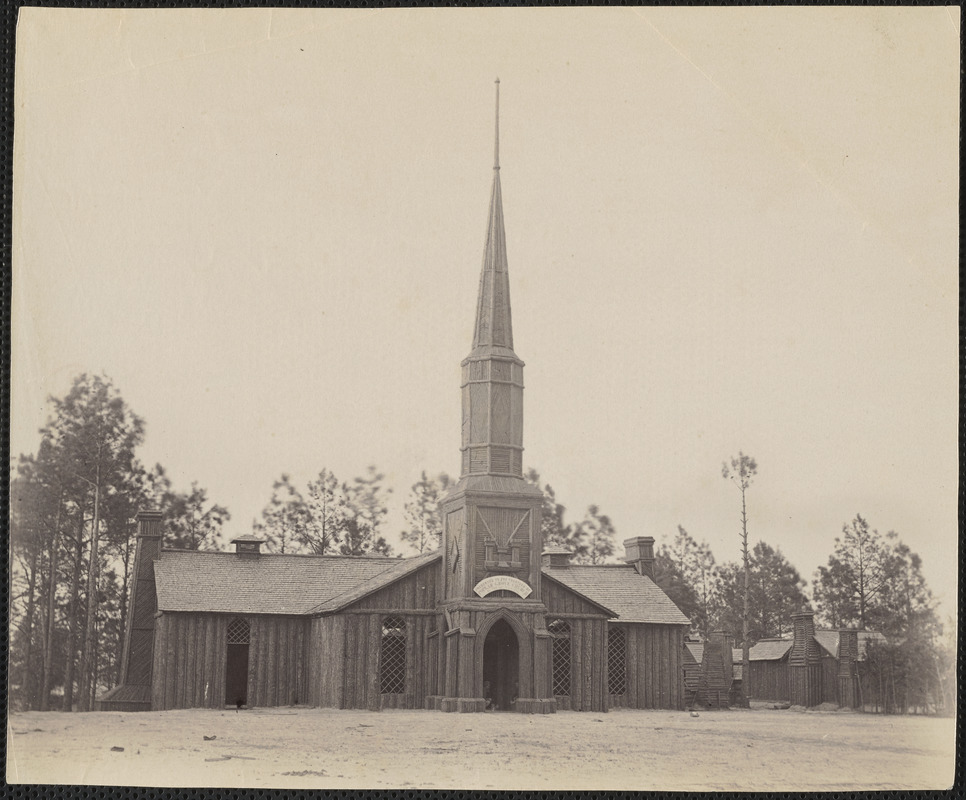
{"points": [[493, 620]]}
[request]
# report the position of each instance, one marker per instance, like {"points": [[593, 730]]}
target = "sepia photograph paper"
{"points": [[300, 499]]}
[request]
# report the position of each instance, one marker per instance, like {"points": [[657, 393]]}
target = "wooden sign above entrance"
{"points": [[497, 582]]}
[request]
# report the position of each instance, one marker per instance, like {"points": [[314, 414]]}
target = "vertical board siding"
{"points": [[655, 667], [190, 660], [416, 591], [157, 665], [560, 600], [327, 662], [830, 680], [768, 680]]}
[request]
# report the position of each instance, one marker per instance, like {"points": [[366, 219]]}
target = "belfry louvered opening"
{"points": [[616, 660], [561, 656], [392, 662]]}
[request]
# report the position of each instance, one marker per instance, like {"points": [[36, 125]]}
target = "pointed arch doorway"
{"points": [[501, 667]]}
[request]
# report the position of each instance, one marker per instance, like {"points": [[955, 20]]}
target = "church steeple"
{"points": [[492, 441], [491, 517], [494, 328]]}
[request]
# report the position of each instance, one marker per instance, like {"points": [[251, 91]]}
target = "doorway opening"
{"points": [[236, 664], [501, 667]]}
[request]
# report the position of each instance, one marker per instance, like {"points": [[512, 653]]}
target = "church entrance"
{"points": [[501, 667]]}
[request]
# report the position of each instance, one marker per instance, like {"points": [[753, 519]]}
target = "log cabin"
{"points": [[493, 620]]}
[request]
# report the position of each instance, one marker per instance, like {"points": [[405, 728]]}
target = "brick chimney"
{"points": [[639, 551], [133, 693], [555, 555], [248, 545]]}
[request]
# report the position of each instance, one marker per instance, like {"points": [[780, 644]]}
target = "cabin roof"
{"points": [[631, 596], [215, 582], [696, 649], [829, 640], [868, 636], [770, 650]]}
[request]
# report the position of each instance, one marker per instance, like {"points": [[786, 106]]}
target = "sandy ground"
{"points": [[634, 750]]}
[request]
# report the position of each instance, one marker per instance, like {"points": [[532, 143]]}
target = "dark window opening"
{"points": [[236, 663]]}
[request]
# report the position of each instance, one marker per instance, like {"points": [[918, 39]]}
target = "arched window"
{"points": [[560, 651], [392, 663], [616, 660]]}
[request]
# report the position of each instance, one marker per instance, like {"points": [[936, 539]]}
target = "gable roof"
{"points": [[619, 588], [770, 650], [696, 649], [829, 641], [400, 569], [198, 580]]}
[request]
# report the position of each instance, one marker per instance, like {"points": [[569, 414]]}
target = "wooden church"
{"points": [[493, 620]]}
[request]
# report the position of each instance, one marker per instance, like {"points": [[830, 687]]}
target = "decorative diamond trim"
{"points": [[239, 631], [616, 661]]}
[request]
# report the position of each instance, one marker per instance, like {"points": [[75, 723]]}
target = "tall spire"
{"points": [[493, 325], [492, 385], [496, 146]]}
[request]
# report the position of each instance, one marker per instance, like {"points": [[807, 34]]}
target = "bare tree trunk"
{"points": [[745, 648], [72, 618], [92, 570], [51, 609], [27, 696], [92, 691]]}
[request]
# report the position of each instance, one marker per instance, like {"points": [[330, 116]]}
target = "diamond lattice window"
{"points": [[560, 651], [238, 631], [392, 664], [616, 661]]}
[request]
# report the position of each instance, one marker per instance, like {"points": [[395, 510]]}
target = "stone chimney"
{"points": [[133, 693], [556, 555], [248, 545], [639, 551]]}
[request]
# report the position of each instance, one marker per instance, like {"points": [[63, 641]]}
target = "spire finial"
{"points": [[496, 145]]}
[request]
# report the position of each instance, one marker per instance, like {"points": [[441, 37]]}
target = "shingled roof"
{"points": [[400, 569], [630, 596], [194, 580], [696, 649], [829, 640], [769, 650]]}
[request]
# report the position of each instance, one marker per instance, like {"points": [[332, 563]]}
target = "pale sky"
{"points": [[727, 229]]}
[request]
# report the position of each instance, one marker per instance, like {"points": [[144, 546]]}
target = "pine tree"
{"points": [[94, 434], [367, 498], [741, 472], [599, 535], [424, 529], [284, 519], [328, 510]]}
